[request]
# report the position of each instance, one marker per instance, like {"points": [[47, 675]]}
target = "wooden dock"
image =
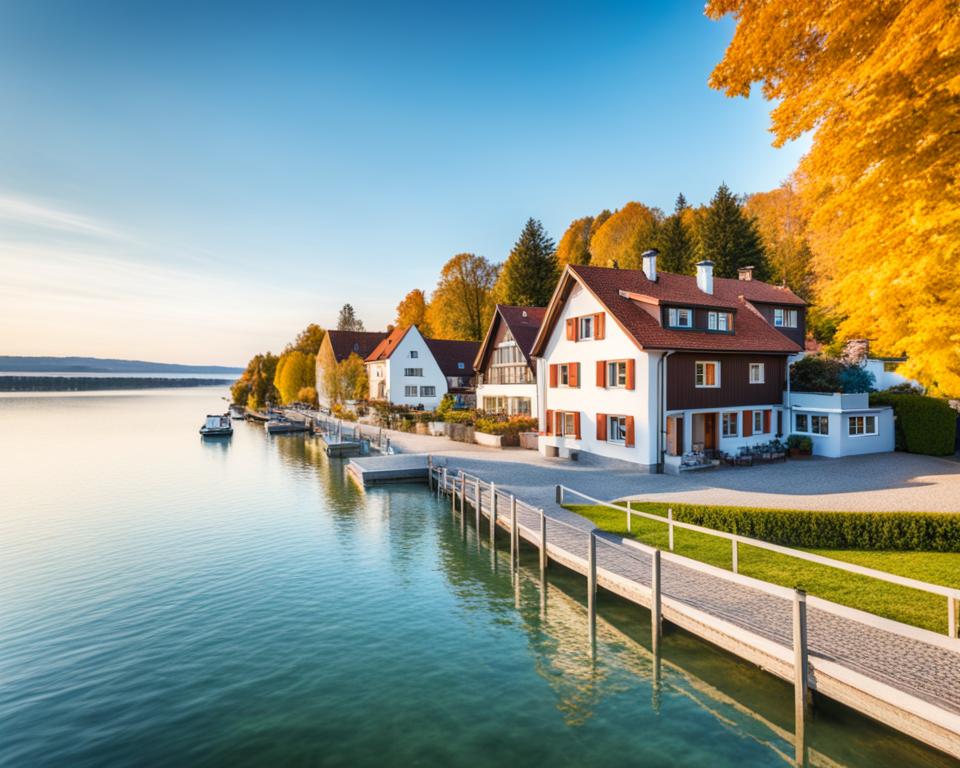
{"points": [[380, 470], [904, 677]]}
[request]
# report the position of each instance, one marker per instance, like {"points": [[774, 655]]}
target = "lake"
{"points": [[166, 601]]}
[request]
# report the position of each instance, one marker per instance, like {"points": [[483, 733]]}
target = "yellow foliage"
{"points": [[783, 228], [624, 236], [412, 310], [879, 85], [462, 303], [295, 371]]}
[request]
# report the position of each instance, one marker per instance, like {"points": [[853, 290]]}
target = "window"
{"points": [[586, 327], [565, 375], [758, 423], [862, 425], [731, 424], [617, 373], [569, 425], [410, 391], [680, 317], [820, 425], [785, 318], [890, 366], [461, 366], [616, 429], [800, 423], [757, 373], [414, 353], [719, 321], [428, 391], [707, 374], [413, 371]]}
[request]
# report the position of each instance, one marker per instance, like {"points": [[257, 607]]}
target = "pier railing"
{"points": [[952, 595]]}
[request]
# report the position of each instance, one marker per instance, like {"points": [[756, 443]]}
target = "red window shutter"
{"points": [[601, 373], [601, 427], [631, 374], [573, 375], [576, 425], [631, 437], [766, 421], [572, 329], [747, 423], [549, 422], [599, 325], [554, 374]]}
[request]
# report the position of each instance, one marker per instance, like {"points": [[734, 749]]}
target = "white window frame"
{"points": [[719, 321], [758, 423], [784, 318], [572, 431], [617, 424], [428, 391], [585, 327], [864, 420], [563, 375], [736, 424], [761, 368], [614, 369], [413, 373], [410, 391], [700, 375], [673, 317]]}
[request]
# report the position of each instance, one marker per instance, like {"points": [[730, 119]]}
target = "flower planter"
{"points": [[436, 428], [529, 440], [491, 441], [799, 453]]}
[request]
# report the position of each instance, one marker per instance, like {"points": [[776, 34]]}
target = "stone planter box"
{"points": [[491, 441], [422, 428], [437, 428], [462, 433], [529, 440]]}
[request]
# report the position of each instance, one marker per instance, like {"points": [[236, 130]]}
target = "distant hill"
{"points": [[10, 363]]}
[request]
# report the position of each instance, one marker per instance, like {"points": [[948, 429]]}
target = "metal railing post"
{"points": [[670, 528], [629, 515], [592, 583], [463, 493], [476, 491], [800, 682], [514, 533], [493, 513], [655, 605]]}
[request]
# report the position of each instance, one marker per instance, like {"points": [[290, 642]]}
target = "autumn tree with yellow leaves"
{"points": [[412, 310], [878, 85]]}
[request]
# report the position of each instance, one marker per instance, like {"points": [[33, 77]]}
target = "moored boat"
{"points": [[217, 425], [238, 412]]}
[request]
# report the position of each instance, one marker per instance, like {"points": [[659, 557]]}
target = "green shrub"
{"points": [[513, 426], [924, 424], [460, 417], [800, 442], [903, 531]]}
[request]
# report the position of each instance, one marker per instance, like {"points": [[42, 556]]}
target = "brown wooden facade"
{"points": [[798, 334], [735, 388]]}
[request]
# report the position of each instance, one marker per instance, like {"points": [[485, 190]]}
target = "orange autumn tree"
{"points": [[878, 85], [412, 310]]}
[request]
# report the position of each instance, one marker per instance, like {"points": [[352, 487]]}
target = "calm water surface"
{"points": [[170, 602]]}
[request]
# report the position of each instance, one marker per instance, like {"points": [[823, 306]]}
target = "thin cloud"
{"points": [[30, 213]]}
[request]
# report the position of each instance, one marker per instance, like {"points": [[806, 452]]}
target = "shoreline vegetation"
{"points": [[93, 383]]}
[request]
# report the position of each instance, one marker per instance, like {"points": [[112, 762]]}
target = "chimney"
{"points": [[705, 276], [650, 264], [616, 265], [745, 273]]}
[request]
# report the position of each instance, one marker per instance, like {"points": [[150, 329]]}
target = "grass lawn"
{"points": [[892, 601]]}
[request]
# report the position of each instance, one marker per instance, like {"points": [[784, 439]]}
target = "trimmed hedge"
{"points": [[925, 425], [902, 531]]}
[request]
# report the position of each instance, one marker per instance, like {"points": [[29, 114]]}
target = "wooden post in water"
{"points": [[735, 559], [800, 682], [592, 585], [493, 514], [514, 533], [463, 493], [476, 498], [629, 515], [543, 542], [558, 493], [670, 527], [429, 472], [655, 607]]}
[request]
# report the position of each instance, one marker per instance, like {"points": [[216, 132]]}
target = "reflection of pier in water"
{"points": [[583, 671]]}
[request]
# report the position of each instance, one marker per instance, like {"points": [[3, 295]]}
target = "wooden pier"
{"points": [[380, 470], [904, 677]]}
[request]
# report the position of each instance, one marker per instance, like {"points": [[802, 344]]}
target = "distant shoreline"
{"points": [[86, 384]]}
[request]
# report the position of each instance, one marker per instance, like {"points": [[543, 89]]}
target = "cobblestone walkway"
{"points": [[924, 670]]}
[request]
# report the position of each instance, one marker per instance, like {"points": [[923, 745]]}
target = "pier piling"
{"points": [[655, 605]]}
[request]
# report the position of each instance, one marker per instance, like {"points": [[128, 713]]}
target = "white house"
{"points": [[656, 368], [408, 369], [506, 374], [842, 424]]}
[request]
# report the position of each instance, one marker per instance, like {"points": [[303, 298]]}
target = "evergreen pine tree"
{"points": [[730, 237], [348, 320], [675, 243], [530, 273]]}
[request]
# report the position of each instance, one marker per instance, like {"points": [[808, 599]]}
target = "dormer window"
{"points": [[680, 317], [720, 321], [784, 318]]}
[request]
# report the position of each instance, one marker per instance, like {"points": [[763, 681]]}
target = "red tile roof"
{"points": [[385, 348], [752, 332], [346, 343], [524, 323], [455, 358]]}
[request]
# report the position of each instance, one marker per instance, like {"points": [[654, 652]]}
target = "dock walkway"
{"points": [[905, 677]]}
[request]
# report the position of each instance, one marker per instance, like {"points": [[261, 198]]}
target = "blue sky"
{"points": [[197, 184]]}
